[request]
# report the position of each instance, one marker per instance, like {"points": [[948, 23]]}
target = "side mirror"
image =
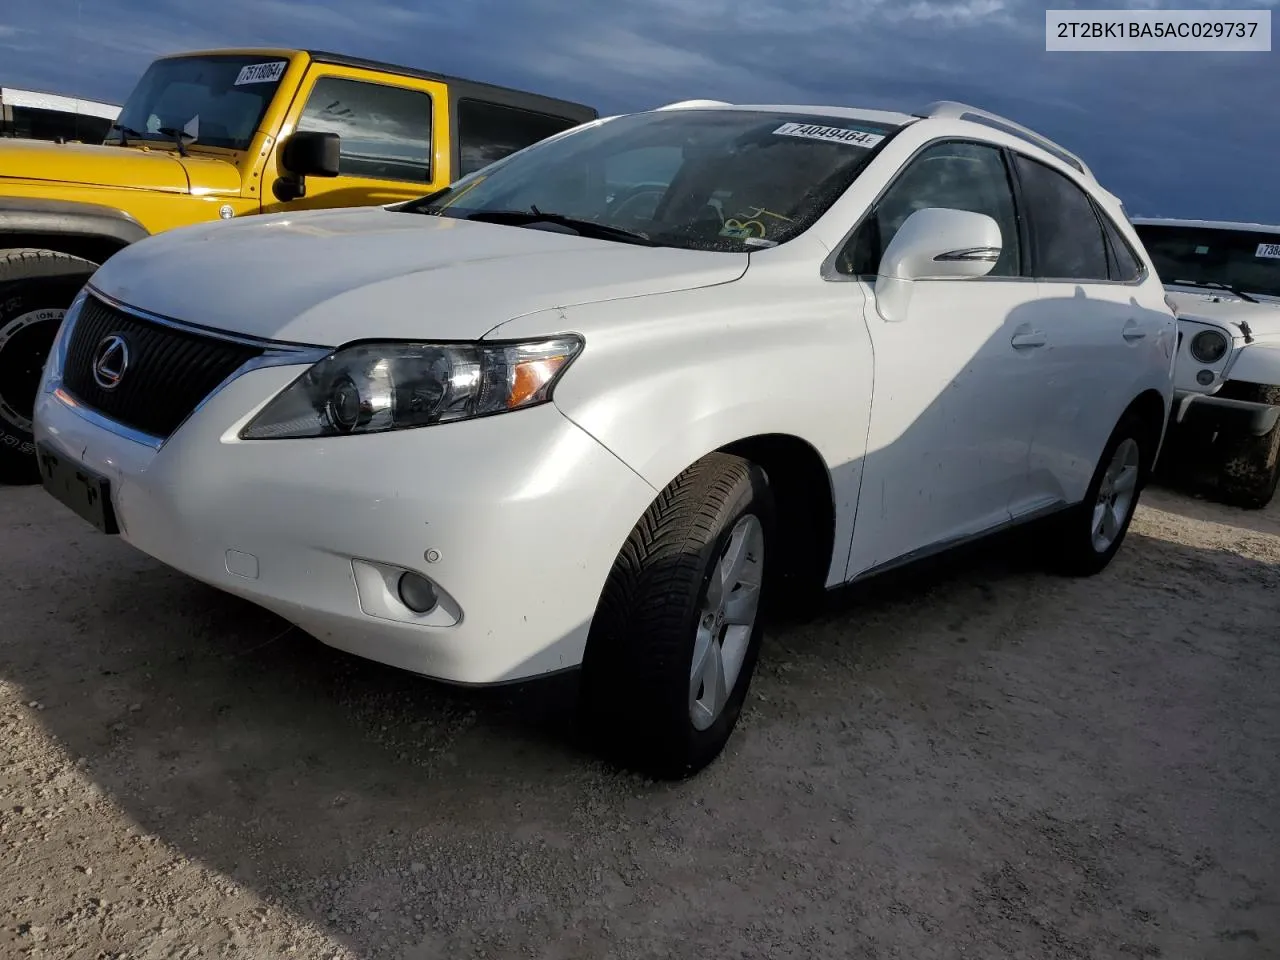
{"points": [[309, 153], [306, 153], [935, 243]]}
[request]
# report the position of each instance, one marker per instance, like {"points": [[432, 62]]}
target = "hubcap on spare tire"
{"points": [[1115, 495], [726, 621], [24, 346]]}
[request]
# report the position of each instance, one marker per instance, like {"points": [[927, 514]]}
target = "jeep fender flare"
{"points": [[27, 217]]}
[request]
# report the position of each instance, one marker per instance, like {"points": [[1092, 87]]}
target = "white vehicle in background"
{"points": [[1224, 280], [592, 403]]}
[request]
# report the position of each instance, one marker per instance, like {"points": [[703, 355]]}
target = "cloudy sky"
{"points": [[1174, 134]]}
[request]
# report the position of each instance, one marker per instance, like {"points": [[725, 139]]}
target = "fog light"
{"points": [[417, 593], [1204, 377]]}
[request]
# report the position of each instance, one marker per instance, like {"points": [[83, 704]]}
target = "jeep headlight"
{"points": [[1209, 346], [376, 387]]}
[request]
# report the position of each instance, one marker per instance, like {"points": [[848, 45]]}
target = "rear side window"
{"points": [[952, 175], [1067, 241], [490, 131], [1124, 264], [385, 130]]}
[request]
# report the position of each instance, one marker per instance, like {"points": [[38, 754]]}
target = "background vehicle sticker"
{"points": [[813, 131], [1269, 250], [261, 72]]}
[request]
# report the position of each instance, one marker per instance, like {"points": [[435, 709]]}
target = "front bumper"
{"points": [[520, 515], [1205, 413]]}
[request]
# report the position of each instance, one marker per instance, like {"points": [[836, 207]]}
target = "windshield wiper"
{"points": [[125, 133], [584, 228], [1215, 285]]}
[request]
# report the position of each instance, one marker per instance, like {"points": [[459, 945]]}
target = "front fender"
{"points": [[1257, 363], [665, 380]]}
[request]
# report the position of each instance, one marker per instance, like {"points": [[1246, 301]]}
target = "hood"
{"points": [[1205, 306], [136, 168], [330, 276]]}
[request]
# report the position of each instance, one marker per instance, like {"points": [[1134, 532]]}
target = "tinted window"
{"points": [[489, 132], [956, 176], [1248, 260], [36, 123], [385, 131], [1125, 266], [729, 180], [1066, 237]]}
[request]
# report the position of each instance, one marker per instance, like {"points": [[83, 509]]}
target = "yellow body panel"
{"points": [[160, 189]]}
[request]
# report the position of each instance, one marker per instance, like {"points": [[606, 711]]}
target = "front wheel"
{"points": [[677, 632], [36, 287], [1089, 535]]}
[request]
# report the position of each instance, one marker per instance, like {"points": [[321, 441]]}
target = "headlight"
{"points": [[1208, 346], [375, 387]]}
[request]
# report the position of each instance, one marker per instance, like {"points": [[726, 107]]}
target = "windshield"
{"points": [[225, 96], [1247, 260], [727, 180]]}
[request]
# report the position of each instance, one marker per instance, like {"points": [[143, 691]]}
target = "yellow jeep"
{"points": [[221, 134]]}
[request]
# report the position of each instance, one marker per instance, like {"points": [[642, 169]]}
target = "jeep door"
{"points": [[1101, 333], [950, 425], [394, 137]]}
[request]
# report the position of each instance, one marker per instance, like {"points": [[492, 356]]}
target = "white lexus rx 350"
{"points": [[590, 404]]}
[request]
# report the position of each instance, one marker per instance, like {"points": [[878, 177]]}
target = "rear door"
{"points": [[394, 134], [1097, 334]]}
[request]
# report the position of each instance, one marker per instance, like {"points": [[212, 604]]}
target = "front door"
{"points": [[950, 426], [394, 138]]}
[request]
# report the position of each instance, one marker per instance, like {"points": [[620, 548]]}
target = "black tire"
{"points": [[636, 687], [36, 287], [1069, 548], [1251, 465]]}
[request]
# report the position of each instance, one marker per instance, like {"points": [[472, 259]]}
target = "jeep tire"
{"points": [[36, 287], [1251, 465], [677, 631]]}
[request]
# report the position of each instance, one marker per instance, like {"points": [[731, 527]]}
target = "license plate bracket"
{"points": [[76, 486]]}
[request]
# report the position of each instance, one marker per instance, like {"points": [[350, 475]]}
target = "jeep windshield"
{"points": [[224, 95], [727, 180], [1232, 259]]}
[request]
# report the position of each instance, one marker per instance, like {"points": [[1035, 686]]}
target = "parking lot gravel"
{"points": [[975, 760]]}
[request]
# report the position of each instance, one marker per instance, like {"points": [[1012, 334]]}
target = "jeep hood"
{"points": [[107, 166], [331, 276], [1263, 318]]}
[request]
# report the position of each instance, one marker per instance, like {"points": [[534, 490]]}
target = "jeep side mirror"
{"points": [[310, 153], [306, 153]]}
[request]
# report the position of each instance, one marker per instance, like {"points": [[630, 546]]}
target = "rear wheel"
{"points": [[677, 632], [1251, 466], [36, 287], [1089, 535]]}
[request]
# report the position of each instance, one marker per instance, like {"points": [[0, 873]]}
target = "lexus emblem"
{"points": [[110, 361]]}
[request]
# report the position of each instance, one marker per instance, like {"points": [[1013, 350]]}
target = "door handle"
{"points": [[1028, 340], [1133, 331]]}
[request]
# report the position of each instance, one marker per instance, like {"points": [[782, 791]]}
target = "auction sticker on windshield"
{"points": [[814, 131], [261, 72], [1269, 250]]}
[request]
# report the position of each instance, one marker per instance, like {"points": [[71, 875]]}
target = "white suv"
{"points": [[1223, 279], [587, 405]]}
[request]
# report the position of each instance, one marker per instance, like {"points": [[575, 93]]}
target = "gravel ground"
{"points": [[977, 760]]}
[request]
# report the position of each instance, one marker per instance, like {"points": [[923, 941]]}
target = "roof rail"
{"points": [[686, 104], [950, 109]]}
